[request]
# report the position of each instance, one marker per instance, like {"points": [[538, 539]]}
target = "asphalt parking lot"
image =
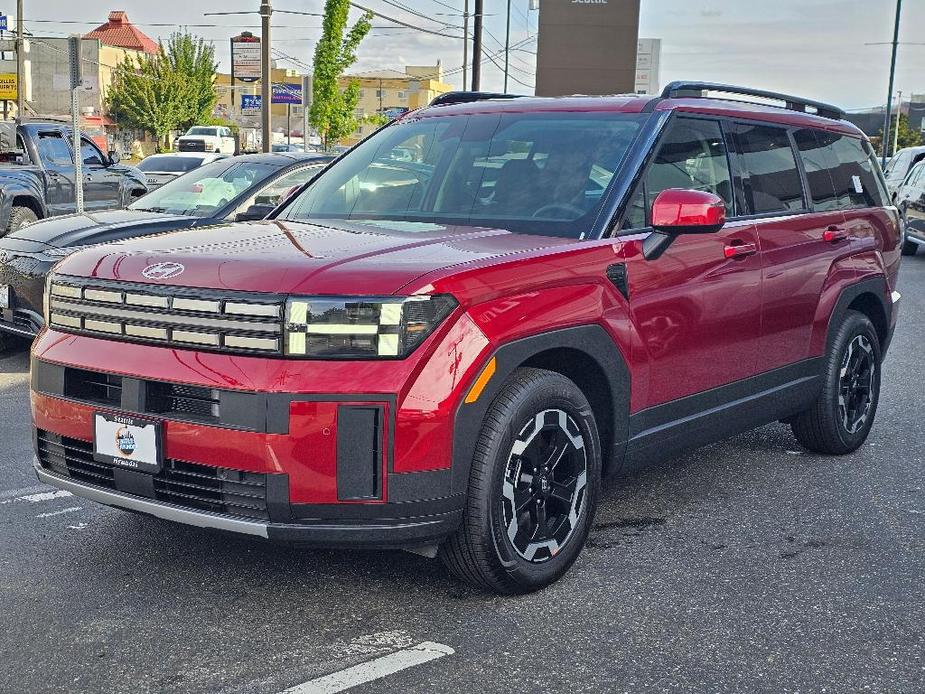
{"points": [[747, 566]]}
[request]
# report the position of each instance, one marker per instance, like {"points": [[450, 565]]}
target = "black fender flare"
{"points": [[876, 286], [594, 342], [13, 187]]}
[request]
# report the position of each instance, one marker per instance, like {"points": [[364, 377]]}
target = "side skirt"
{"points": [[662, 432]]}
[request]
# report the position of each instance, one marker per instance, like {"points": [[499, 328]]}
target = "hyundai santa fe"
{"points": [[453, 335]]}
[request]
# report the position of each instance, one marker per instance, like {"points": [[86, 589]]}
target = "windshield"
{"points": [[202, 130], [542, 173], [169, 164], [204, 191]]}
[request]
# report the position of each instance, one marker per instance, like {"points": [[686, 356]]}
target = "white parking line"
{"points": [[373, 670], [70, 509], [9, 493], [44, 496]]}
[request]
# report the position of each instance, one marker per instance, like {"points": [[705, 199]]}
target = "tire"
{"points": [[908, 247], [20, 217], [833, 425], [546, 417]]}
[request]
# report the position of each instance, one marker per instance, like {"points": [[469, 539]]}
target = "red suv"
{"points": [[450, 337]]}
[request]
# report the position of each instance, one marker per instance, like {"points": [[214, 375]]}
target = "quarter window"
{"points": [[769, 169], [854, 181]]}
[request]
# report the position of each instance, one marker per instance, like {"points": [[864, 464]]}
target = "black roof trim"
{"points": [[448, 98], [793, 103]]}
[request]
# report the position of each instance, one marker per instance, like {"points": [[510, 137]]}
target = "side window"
{"points": [[769, 169], [89, 154], [857, 183], [897, 168], [54, 150], [817, 163], [691, 155]]}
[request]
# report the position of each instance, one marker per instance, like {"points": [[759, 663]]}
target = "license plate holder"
{"points": [[130, 442]]}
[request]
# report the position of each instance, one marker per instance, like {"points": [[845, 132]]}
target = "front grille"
{"points": [[188, 402], [91, 386], [168, 316], [201, 487], [192, 145]]}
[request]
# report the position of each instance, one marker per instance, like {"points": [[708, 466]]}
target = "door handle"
{"points": [[834, 234], [740, 250]]}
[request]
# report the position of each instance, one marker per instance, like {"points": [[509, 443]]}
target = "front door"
{"points": [[101, 183], [697, 308]]}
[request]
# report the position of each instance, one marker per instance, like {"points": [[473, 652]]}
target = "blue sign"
{"points": [[3, 24], [287, 94], [251, 102]]}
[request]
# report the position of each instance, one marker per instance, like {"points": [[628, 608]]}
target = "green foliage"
{"points": [[170, 90], [907, 136], [333, 111]]}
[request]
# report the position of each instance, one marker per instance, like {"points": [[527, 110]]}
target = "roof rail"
{"points": [[448, 98], [794, 103]]}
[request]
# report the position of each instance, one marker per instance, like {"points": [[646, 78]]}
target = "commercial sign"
{"points": [[251, 103], [3, 22], [7, 86], [245, 57], [287, 94]]}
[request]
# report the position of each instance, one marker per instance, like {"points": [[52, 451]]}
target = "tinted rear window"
{"points": [[769, 171]]}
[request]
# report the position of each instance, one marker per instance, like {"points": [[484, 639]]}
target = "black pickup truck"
{"points": [[37, 175]]}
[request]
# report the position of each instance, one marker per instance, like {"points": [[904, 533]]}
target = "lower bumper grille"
{"points": [[202, 487]]}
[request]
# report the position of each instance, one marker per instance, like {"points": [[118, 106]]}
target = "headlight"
{"points": [[361, 327]]}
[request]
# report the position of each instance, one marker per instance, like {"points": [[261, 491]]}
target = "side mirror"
{"points": [[114, 157], [254, 212], [677, 211]]}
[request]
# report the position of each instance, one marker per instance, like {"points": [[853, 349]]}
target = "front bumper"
{"points": [[383, 532], [25, 275]]}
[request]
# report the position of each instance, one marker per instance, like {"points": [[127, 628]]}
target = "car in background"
{"points": [[910, 201], [163, 168], [233, 189], [207, 138], [899, 166]]}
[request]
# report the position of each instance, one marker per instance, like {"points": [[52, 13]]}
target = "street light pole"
{"points": [[889, 93], [266, 86], [465, 45], [899, 113], [507, 44], [477, 47], [20, 65]]}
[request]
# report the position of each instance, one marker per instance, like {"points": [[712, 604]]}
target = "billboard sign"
{"points": [[251, 103], [287, 94], [8, 86], [245, 57]]}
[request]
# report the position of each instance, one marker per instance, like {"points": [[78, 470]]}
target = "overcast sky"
{"points": [[813, 48]]}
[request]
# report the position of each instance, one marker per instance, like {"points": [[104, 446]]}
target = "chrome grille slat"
{"points": [[175, 316]]}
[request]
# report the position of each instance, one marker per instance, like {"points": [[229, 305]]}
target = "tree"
{"points": [[170, 90], [907, 136], [333, 111]]}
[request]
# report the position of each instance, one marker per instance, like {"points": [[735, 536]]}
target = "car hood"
{"points": [[83, 229], [301, 258]]}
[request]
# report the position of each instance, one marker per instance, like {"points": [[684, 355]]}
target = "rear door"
{"points": [[56, 159], [792, 229]]}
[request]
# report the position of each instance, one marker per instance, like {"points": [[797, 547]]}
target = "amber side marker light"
{"points": [[481, 381]]}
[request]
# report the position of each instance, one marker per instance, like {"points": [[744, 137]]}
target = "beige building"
{"points": [[391, 92], [230, 100]]}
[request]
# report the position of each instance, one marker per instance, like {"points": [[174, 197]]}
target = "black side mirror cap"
{"points": [[114, 157]]}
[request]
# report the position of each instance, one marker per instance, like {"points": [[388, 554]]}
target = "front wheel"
{"points": [[840, 419], [533, 487]]}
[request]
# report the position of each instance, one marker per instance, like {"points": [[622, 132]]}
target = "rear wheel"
{"points": [[20, 217], [909, 247], [533, 487], [842, 416]]}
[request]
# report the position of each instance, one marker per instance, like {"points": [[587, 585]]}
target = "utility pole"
{"points": [[899, 113], [507, 44], [465, 45], [477, 47], [20, 60], [266, 76], [307, 84], [889, 93]]}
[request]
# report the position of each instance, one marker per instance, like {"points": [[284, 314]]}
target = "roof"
{"points": [[280, 158], [120, 32], [632, 103]]}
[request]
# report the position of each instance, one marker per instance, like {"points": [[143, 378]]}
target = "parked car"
{"points": [[283, 147], [910, 200], [37, 175], [207, 138], [163, 168], [245, 187], [899, 166], [449, 358]]}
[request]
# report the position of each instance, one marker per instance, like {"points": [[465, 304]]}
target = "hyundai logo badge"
{"points": [[163, 271]]}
